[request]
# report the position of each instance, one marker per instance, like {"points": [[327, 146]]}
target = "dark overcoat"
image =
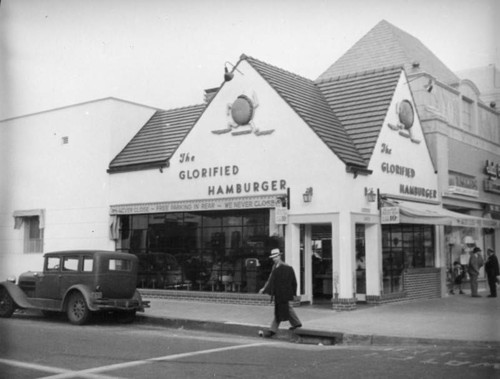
{"points": [[282, 286]]}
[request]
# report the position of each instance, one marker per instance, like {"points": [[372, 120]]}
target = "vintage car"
{"points": [[78, 283]]}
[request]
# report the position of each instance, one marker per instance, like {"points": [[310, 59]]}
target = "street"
{"points": [[37, 347]]}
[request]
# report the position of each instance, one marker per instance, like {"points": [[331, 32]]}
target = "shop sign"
{"points": [[406, 118], [492, 186], [462, 184], [240, 117], [492, 170], [281, 215], [389, 215], [197, 205]]}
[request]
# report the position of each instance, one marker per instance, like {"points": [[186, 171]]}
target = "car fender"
{"points": [[85, 291], [17, 295], [142, 304]]}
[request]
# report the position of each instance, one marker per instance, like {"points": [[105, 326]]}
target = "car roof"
{"points": [[88, 252]]}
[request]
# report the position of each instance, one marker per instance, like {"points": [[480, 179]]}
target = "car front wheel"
{"points": [[78, 311], [7, 305]]}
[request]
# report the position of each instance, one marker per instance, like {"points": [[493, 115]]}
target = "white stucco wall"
{"points": [[69, 181], [293, 152]]}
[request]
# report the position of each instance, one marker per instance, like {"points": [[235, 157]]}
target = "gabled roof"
{"points": [[305, 98], [361, 102], [386, 45], [157, 140]]}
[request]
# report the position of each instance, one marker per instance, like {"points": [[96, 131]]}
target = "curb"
{"points": [[307, 336]]}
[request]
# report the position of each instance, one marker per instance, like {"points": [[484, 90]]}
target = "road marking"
{"points": [[52, 370], [119, 366]]}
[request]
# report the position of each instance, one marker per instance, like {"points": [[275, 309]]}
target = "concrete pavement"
{"points": [[454, 319]]}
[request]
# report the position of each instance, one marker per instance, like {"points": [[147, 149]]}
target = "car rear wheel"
{"points": [[78, 312], [7, 305]]}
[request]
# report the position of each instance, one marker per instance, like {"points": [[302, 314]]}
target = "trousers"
{"points": [[473, 284], [294, 319]]}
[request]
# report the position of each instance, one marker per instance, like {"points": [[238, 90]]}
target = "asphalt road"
{"points": [[35, 347]]}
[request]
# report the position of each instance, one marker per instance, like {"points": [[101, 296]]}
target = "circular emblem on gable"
{"points": [[406, 114], [242, 110]]}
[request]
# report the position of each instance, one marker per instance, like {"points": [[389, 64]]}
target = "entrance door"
{"points": [[360, 263], [321, 240]]}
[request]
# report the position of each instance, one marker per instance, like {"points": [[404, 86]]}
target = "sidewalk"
{"points": [[472, 321]]}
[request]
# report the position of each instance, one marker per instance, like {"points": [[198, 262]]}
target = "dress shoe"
{"points": [[492, 296], [295, 327], [269, 334]]}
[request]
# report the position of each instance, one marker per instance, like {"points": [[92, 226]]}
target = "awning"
{"points": [[19, 215], [421, 213]]}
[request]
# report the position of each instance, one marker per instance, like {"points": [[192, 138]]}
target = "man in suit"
{"points": [[492, 271], [282, 286], [475, 263]]}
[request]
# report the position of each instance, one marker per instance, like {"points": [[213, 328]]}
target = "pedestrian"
{"points": [[492, 271], [475, 263], [282, 287], [457, 274]]}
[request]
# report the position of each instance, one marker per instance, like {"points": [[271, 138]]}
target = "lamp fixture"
{"points": [[370, 195], [308, 195], [229, 75], [428, 87]]}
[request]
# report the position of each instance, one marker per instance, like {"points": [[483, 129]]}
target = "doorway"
{"points": [[321, 248], [360, 263]]}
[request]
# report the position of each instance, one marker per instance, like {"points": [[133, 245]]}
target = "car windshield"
{"points": [[120, 265]]}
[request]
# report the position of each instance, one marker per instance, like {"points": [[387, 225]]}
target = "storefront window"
{"points": [[405, 246], [209, 251]]}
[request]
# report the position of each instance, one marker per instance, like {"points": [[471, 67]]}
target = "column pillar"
{"points": [[292, 249], [373, 259], [343, 261]]}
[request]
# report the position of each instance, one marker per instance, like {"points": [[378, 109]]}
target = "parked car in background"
{"points": [[79, 283]]}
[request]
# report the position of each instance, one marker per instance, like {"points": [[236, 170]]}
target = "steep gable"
{"points": [[361, 103], [386, 45], [305, 98], [157, 140]]}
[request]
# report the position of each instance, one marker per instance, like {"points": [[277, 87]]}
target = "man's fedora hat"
{"points": [[275, 253]]}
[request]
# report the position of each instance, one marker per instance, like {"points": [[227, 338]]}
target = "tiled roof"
{"points": [[305, 98], [386, 45], [158, 139], [361, 102]]}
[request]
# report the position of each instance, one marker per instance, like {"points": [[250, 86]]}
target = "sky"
{"points": [[165, 53]]}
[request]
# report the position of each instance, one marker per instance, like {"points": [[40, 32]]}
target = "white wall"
{"points": [[68, 180], [293, 152]]}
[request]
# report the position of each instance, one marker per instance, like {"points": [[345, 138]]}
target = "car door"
{"points": [[70, 273], [48, 282]]}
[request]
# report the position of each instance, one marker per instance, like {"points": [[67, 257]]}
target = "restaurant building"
{"points": [[337, 172]]}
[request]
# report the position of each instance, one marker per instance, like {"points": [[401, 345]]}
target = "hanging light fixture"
{"points": [[308, 195]]}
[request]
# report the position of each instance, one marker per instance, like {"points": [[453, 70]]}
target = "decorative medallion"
{"points": [[406, 118], [240, 116]]}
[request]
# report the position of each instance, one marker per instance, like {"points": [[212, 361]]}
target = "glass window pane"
{"points": [[52, 263], [139, 221], [88, 264], [120, 265], [70, 264]]}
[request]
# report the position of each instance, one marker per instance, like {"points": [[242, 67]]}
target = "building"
{"points": [[54, 186], [344, 173]]}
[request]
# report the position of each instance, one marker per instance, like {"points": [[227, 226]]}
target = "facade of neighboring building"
{"points": [[54, 187], [461, 127], [487, 80], [358, 176]]}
